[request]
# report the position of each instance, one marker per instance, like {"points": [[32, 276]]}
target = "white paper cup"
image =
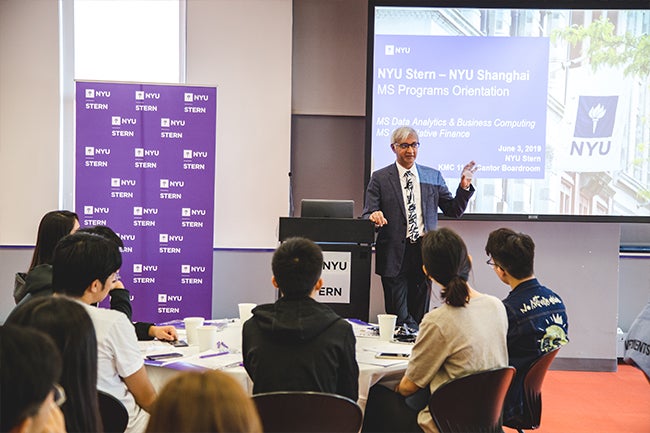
{"points": [[386, 326], [207, 337], [191, 323], [245, 311]]}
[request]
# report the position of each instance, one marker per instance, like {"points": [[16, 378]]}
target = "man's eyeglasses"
{"points": [[405, 146], [490, 262], [59, 394]]}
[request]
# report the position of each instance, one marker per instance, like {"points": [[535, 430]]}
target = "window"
{"points": [[115, 40], [128, 40]]}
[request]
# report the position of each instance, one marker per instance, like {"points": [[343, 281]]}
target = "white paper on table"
{"points": [[390, 348], [228, 360]]}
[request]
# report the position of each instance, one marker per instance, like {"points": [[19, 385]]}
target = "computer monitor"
{"points": [[321, 208]]}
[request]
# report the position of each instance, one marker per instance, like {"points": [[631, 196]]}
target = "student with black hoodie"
{"points": [[297, 343]]}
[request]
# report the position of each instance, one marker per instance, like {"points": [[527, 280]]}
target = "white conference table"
{"points": [[371, 369]]}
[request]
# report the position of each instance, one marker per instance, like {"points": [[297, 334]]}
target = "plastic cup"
{"points": [[207, 337], [386, 326], [245, 311], [191, 323]]}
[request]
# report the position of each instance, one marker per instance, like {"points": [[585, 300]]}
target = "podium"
{"points": [[346, 235]]}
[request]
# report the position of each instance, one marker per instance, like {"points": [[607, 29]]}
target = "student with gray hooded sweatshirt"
{"points": [[297, 343]]}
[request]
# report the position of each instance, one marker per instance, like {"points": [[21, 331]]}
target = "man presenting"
{"points": [[402, 200]]}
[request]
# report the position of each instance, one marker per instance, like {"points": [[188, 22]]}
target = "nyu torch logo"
{"points": [[594, 125]]}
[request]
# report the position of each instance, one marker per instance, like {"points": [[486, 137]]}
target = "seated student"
{"points": [[466, 334], [637, 342], [38, 282], [209, 401], [38, 279], [121, 298], [85, 268], [297, 343], [29, 393], [537, 319], [67, 322]]}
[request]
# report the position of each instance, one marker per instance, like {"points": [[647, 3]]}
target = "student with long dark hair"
{"points": [[29, 393], [53, 226], [465, 335], [67, 322]]}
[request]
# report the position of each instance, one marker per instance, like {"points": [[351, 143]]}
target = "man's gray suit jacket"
{"points": [[384, 193]]}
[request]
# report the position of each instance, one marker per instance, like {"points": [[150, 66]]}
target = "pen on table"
{"points": [[211, 355], [232, 365]]}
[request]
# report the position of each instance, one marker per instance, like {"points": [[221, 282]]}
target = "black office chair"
{"points": [[307, 412], [533, 380], [115, 417], [472, 403]]}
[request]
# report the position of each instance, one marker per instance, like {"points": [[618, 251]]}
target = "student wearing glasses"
{"points": [[30, 396], [537, 318], [402, 200], [71, 329], [85, 268]]}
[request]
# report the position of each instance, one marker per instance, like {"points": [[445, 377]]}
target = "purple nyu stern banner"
{"points": [[145, 167]]}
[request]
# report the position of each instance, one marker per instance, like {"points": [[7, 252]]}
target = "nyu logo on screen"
{"points": [[594, 125], [595, 116], [391, 50]]}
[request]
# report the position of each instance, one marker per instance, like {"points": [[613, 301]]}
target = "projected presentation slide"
{"points": [[553, 105]]}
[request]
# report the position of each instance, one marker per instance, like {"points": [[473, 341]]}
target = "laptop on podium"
{"points": [[322, 208]]}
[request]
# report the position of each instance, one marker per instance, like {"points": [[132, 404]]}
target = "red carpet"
{"points": [[590, 402]]}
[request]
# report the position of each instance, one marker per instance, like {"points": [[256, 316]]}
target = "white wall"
{"points": [[29, 117], [244, 47]]}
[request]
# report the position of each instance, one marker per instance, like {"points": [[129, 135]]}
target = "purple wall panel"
{"points": [[145, 166]]}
